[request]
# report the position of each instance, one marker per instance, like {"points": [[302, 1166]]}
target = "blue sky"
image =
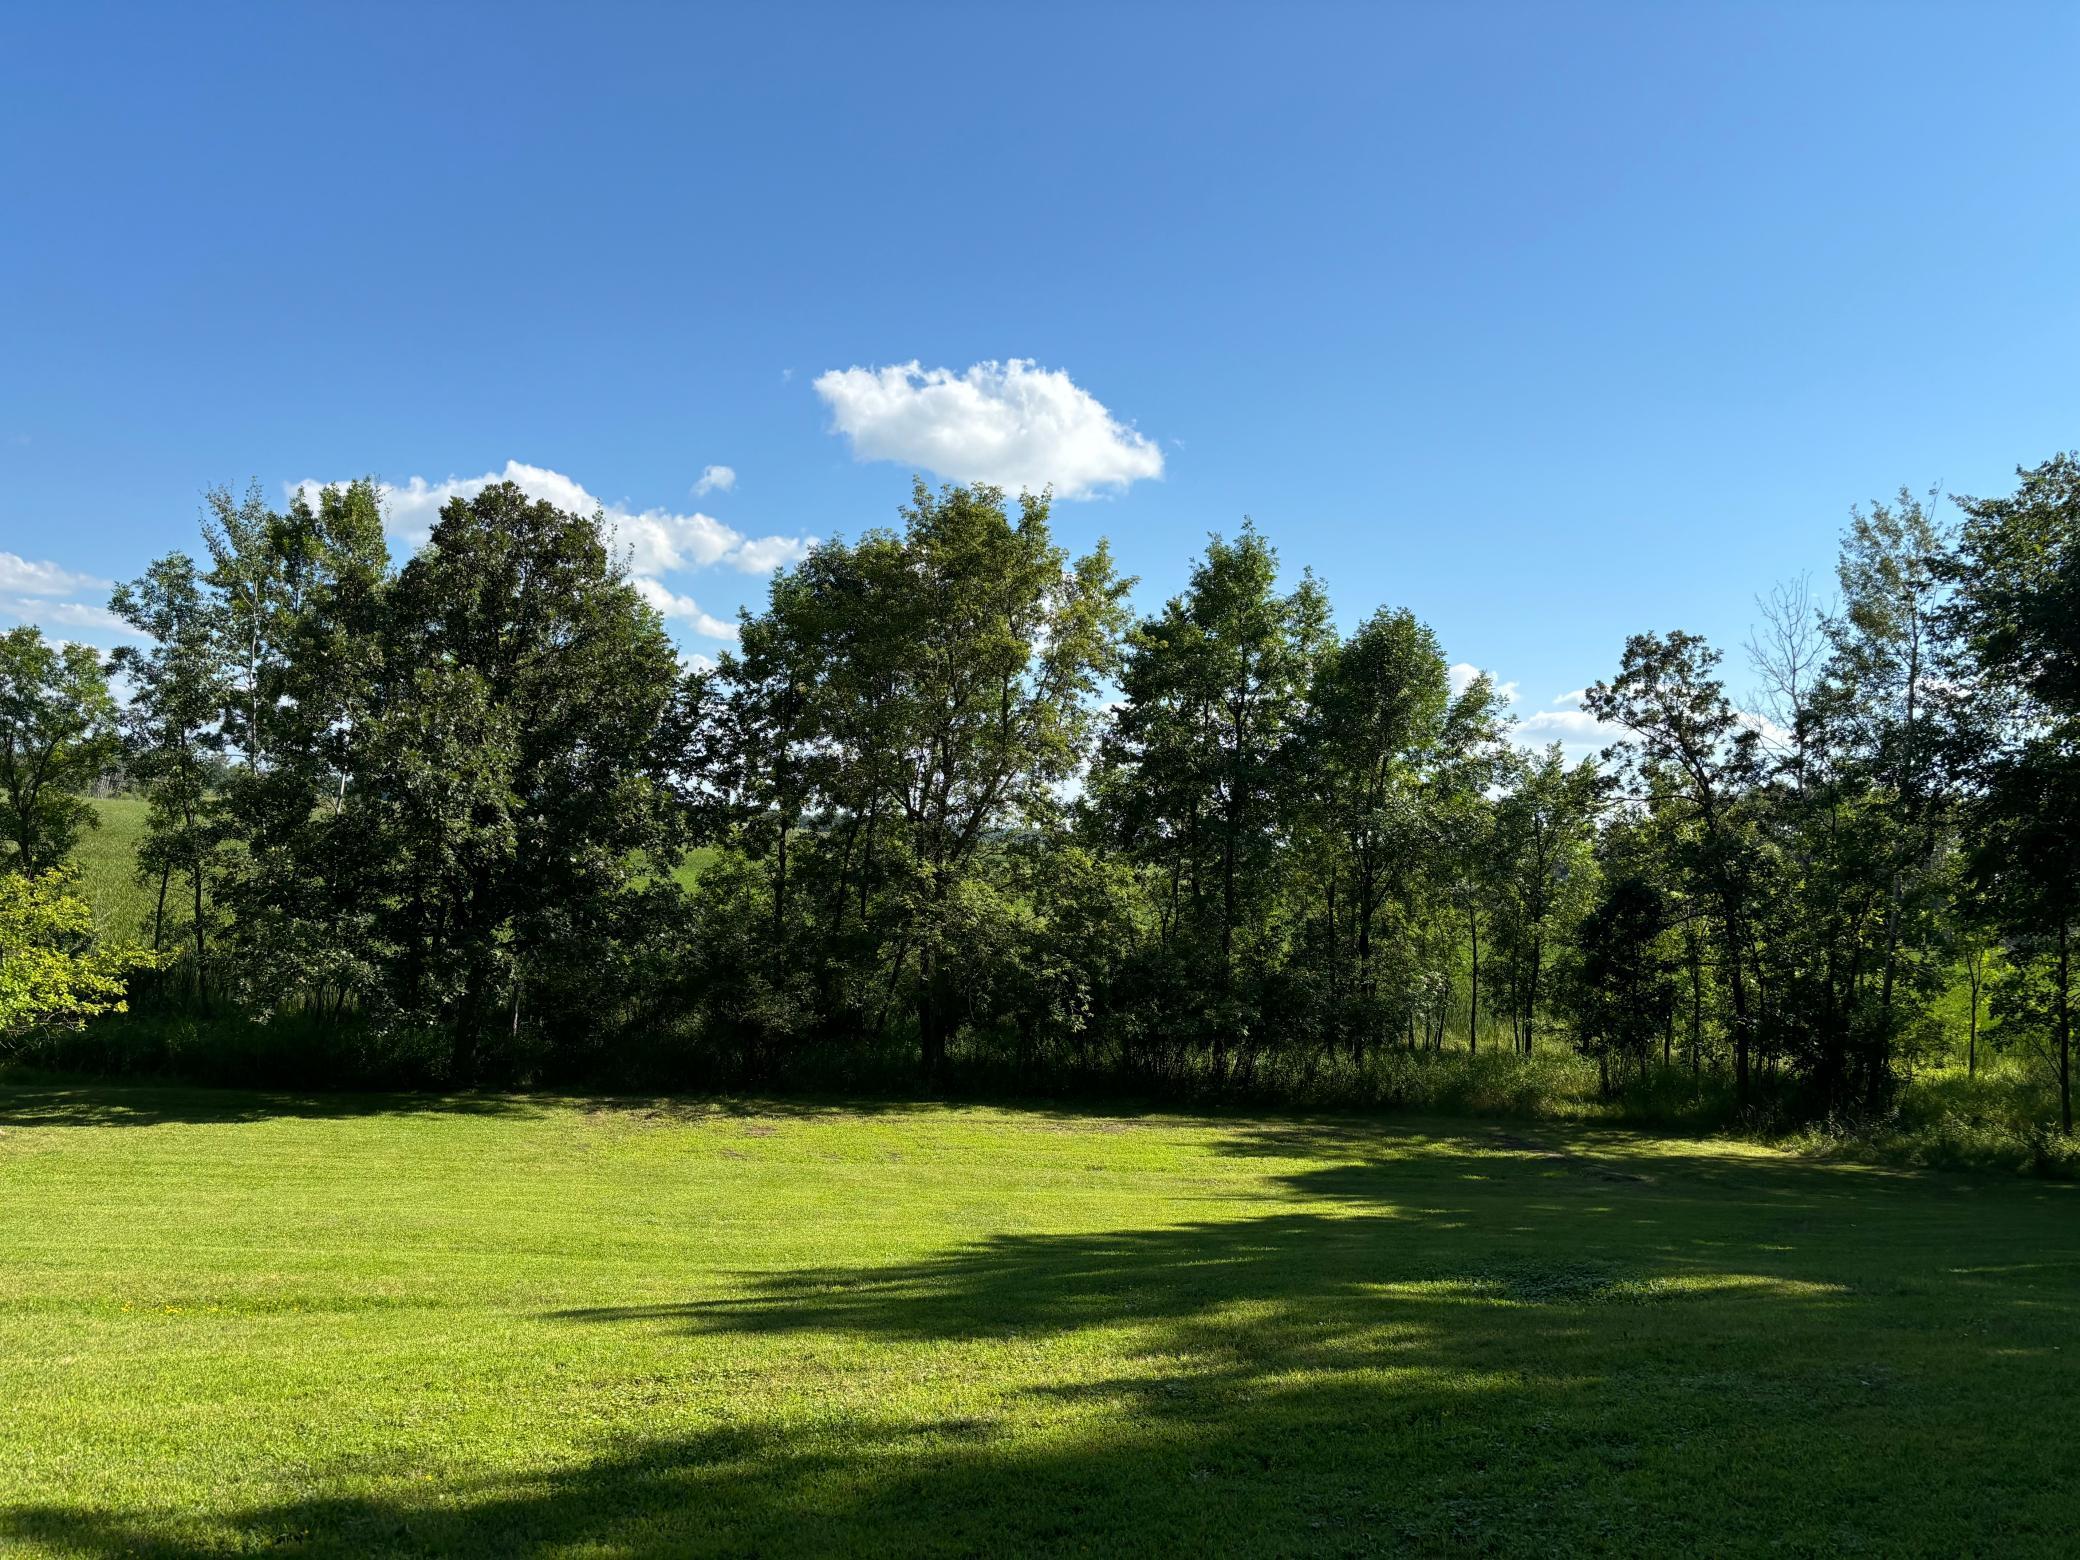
{"points": [[1551, 323]]}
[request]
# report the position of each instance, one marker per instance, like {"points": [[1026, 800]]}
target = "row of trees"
{"points": [[948, 793]]}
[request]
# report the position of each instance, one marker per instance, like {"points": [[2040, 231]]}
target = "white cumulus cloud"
{"points": [[715, 479], [655, 539], [655, 542], [1012, 424]]}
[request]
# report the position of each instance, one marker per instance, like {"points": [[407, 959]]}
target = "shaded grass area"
{"points": [[524, 1326]]}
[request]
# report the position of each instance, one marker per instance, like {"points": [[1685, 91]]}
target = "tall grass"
{"points": [[1945, 1119], [107, 860]]}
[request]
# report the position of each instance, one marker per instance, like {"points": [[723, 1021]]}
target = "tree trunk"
{"points": [[1696, 958], [1473, 988], [1741, 1081], [2065, 1029], [931, 1038], [1538, 959], [1975, 971], [196, 877], [1881, 1050]]}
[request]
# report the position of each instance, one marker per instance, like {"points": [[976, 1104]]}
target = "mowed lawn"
{"points": [[231, 1322]]}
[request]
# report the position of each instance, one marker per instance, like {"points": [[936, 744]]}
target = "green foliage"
{"points": [[177, 699], [1623, 993], [57, 738], [2017, 614], [1196, 783], [946, 813], [55, 973], [902, 703]]}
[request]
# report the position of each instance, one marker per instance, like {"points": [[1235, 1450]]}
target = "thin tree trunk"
{"points": [[1696, 957], [1741, 1079], [1538, 959], [1881, 1060], [195, 876], [1473, 989], [1974, 964], [2065, 1030]]}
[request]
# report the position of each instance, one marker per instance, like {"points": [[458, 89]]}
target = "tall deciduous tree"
{"points": [[297, 613], [1386, 754], [1198, 772], [981, 687], [1668, 695], [172, 724], [58, 735], [513, 779], [1885, 691]]}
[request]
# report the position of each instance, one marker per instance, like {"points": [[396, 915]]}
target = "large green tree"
{"points": [[58, 736], [1198, 778], [297, 603], [511, 776], [924, 693], [2016, 573]]}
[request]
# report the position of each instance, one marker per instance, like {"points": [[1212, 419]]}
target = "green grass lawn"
{"points": [[231, 1322]]}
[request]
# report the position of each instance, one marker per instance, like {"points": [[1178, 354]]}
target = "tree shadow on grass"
{"points": [[149, 1105], [30, 1100], [40, 1103]]}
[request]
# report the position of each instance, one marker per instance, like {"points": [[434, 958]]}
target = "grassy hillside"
{"points": [[107, 859], [231, 1323]]}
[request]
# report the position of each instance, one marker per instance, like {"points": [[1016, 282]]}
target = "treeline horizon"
{"points": [[950, 796]]}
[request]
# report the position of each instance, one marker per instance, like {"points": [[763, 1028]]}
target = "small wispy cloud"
{"points": [[1462, 675], [683, 609], [715, 479], [1570, 726], [45, 612], [21, 576]]}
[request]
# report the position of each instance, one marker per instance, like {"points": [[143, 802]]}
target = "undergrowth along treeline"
{"points": [[961, 809]]}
